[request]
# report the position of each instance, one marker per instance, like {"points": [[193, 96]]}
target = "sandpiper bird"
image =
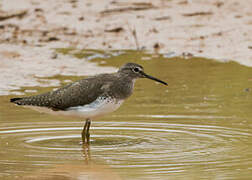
{"points": [[90, 97]]}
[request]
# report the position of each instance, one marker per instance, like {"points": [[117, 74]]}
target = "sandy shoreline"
{"points": [[208, 28]]}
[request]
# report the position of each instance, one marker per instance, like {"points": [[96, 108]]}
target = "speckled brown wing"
{"points": [[78, 93]]}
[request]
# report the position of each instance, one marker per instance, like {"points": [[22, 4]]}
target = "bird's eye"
{"points": [[136, 69]]}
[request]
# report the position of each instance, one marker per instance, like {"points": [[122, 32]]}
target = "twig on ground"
{"points": [[134, 7], [133, 32], [197, 14], [19, 14]]}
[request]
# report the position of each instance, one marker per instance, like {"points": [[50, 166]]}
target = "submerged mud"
{"points": [[30, 32], [199, 126]]}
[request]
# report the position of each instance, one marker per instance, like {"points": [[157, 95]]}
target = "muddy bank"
{"points": [[28, 66], [28, 33], [214, 29]]}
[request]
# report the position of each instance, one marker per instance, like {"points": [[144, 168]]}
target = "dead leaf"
{"points": [[115, 30]]}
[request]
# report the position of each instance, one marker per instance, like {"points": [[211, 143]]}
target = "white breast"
{"points": [[99, 107]]}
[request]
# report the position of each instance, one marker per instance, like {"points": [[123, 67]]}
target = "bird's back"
{"points": [[79, 93]]}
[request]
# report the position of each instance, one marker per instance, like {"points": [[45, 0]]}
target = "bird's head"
{"points": [[134, 71]]}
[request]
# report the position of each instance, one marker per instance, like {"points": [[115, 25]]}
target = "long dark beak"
{"points": [[153, 78]]}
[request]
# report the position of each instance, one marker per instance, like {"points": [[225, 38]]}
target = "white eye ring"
{"points": [[136, 69]]}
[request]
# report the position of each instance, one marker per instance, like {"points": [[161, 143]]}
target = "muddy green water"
{"points": [[199, 127]]}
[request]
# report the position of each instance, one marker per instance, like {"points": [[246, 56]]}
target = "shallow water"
{"points": [[199, 127]]}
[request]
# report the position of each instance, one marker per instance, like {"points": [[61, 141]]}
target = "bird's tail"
{"points": [[39, 100], [15, 99], [21, 101]]}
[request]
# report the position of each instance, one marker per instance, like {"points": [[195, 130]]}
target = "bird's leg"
{"points": [[87, 131], [83, 134]]}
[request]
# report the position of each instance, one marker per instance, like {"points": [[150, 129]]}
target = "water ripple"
{"points": [[159, 147]]}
